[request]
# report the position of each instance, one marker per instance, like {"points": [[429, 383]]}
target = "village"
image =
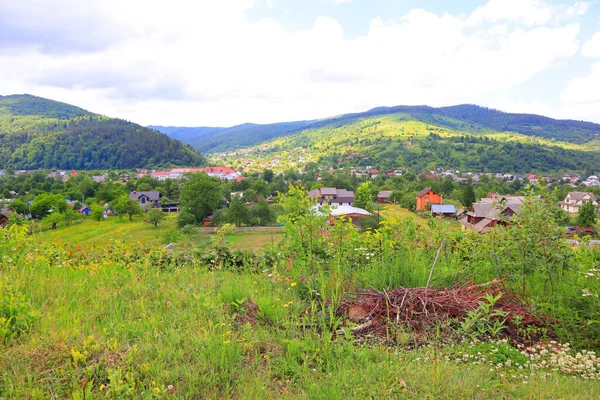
{"points": [[480, 215]]}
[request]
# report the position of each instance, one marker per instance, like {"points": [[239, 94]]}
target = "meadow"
{"points": [[114, 314]]}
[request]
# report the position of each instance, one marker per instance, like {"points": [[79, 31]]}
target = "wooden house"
{"points": [[384, 196]]}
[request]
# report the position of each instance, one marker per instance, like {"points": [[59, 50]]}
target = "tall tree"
{"points": [[237, 213], [200, 197], [364, 196], [468, 197], [587, 215]]}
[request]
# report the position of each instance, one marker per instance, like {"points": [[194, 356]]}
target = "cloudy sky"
{"points": [[224, 62]]}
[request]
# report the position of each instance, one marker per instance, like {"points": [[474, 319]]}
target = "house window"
{"points": [[143, 200]]}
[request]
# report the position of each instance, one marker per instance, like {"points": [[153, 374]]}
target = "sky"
{"points": [[225, 62]]}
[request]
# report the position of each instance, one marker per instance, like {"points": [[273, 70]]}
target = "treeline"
{"points": [[466, 153]]}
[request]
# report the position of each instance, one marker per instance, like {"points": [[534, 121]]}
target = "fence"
{"points": [[245, 229]]}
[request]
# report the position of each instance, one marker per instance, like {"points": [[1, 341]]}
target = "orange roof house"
{"points": [[427, 197]]}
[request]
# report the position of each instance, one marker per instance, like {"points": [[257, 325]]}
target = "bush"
{"points": [[16, 315]]}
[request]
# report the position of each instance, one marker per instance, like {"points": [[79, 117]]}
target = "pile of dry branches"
{"points": [[420, 307]]}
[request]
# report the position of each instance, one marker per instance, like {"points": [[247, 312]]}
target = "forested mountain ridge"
{"points": [[41, 133], [466, 118], [397, 141]]}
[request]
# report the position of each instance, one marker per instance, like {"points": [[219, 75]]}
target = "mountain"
{"points": [[213, 140], [466, 118], [391, 139], [41, 133]]}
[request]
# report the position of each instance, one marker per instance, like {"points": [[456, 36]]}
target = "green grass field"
{"points": [[102, 310], [133, 233]]}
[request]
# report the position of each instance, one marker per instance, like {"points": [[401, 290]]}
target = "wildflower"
{"points": [[226, 341], [293, 284]]}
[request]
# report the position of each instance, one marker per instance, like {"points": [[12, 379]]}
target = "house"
{"points": [[161, 175], [333, 196], [486, 214], [85, 210], [145, 198], [443, 210], [384, 196], [575, 200], [592, 181], [354, 214], [4, 214], [427, 197]]}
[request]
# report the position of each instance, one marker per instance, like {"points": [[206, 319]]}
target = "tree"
{"points": [[200, 197], [154, 216], [97, 212], [53, 219], [364, 196], [468, 197], [447, 186], [267, 175], [587, 215], [45, 204], [17, 206], [125, 205], [260, 213], [237, 213]]}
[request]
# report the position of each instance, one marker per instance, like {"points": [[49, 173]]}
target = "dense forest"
{"points": [[40, 133]]}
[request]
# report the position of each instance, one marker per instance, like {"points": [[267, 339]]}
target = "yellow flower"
{"points": [[293, 284], [101, 387], [157, 390], [285, 305], [227, 342]]}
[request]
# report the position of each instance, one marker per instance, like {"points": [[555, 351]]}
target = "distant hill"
{"points": [[466, 118], [213, 140], [387, 141], [41, 133]]}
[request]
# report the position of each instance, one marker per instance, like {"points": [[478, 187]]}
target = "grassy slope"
{"points": [[173, 333], [133, 233]]}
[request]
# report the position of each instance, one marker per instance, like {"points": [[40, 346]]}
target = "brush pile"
{"points": [[417, 308]]}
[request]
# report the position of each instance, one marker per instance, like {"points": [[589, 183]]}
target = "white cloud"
{"points": [[205, 63], [530, 12], [578, 9], [591, 48], [339, 1], [585, 90]]}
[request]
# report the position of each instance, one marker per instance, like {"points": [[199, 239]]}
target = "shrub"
{"points": [[16, 315]]}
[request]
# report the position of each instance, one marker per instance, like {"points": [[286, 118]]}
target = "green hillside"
{"points": [[464, 118], [41, 133], [399, 141]]}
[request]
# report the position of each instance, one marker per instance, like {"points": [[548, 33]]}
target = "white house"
{"points": [[575, 200]]}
